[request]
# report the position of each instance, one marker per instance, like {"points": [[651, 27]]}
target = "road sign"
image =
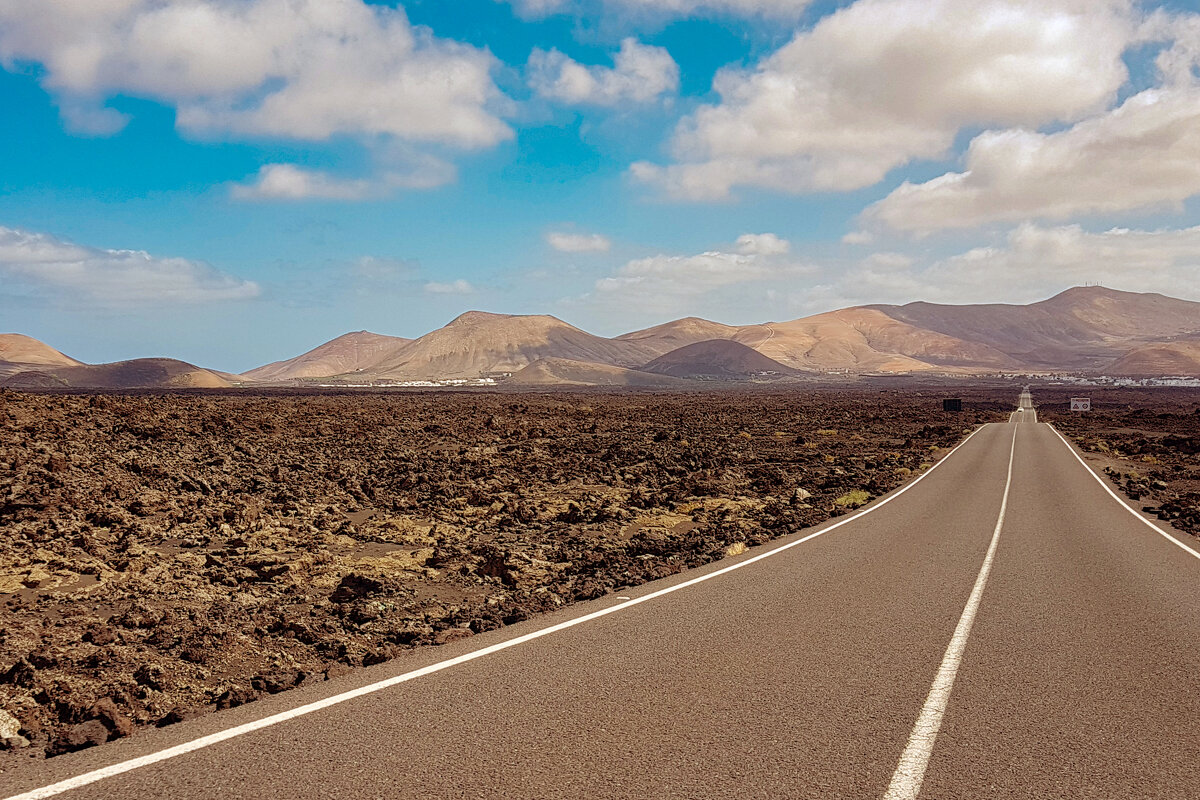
{"points": [[1081, 404], [952, 404]]}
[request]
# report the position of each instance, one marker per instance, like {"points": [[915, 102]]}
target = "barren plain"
{"points": [[167, 554]]}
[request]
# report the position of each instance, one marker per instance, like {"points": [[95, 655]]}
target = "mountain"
{"points": [[140, 373], [662, 339], [477, 343], [563, 372], [347, 353], [1160, 358], [19, 353], [717, 359], [1085, 327], [867, 340]]}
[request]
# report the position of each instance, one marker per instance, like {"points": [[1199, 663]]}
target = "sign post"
{"points": [[1081, 404]]}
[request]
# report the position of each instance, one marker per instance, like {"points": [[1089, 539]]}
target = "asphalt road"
{"points": [[920, 649]]}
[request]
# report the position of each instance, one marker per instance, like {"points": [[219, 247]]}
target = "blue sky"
{"points": [[234, 181]]}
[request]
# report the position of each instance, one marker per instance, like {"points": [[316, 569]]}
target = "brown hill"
{"points": [[718, 359], [662, 339], [1081, 328], [140, 373], [347, 353], [866, 340], [478, 342], [1160, 359], [19, 353], [563, 372]]}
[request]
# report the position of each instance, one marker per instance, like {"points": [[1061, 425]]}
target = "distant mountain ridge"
{"points": [[1083, 330]]}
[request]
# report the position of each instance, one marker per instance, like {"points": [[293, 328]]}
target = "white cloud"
{"points": [[303, 69], [785, 9], [671, 282], [290, 182], [640, 74], [762, 244], [1032, 262], [1144, 154], [459, 286], [881, 83], [113, 278], [578, 242]]}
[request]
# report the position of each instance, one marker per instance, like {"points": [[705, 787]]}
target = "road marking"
{"points": [[1103, 483], [300, 711], [910, 772]]}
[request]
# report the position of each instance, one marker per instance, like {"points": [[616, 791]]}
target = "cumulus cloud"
{"points": [[640, 73], [113, 278], [302, 69], [290, 182], [1144, 154], [761, 244], [459, 286], [565, 242], [669, 281], [1032, 262], [881, 83], [672, 8]]}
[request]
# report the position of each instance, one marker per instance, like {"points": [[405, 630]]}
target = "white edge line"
{"points": [[1115, 496], [910, 771], [214, 738]]}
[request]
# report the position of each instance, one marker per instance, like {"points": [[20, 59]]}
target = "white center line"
{"points": [[910, 772]]}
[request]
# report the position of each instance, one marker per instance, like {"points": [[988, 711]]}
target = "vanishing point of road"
{"points": [[1002, 627]]}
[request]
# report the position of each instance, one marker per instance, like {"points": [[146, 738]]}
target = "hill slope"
{"points": [[1081, 328], [719, 359], [19, 352], [478, 342], [139, 373], [866, 340], [1159, 359], [347, 353], [563, 372], [662, 339]]}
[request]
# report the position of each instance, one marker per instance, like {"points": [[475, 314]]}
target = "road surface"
{"points": [[1002, 627]]}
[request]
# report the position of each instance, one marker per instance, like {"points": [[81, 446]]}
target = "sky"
{"points": [[233, 182]]}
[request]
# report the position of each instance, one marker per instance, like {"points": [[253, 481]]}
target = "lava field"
{"points": [[168, 554]]}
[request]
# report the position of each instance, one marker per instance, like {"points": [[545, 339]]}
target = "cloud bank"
{"points": [[113, 278]]}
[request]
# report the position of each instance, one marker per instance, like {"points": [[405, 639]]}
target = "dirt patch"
{"points": [[167, 554]]}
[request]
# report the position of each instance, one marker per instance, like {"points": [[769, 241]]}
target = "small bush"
{"points": [[852, 499]]}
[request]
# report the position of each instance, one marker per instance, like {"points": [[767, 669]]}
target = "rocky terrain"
{"points": [[1147, 441], [168, 554]]}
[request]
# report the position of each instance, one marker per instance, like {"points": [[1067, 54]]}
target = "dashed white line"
{"points": [[1117, 497], [215, 738], [910, 772]]}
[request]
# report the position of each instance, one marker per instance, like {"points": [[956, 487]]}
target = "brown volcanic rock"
{"points": [[204, 549], [1159, 359], [662, 339], [717, 358], [347, 353], [562, 372], [478, 342]]}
